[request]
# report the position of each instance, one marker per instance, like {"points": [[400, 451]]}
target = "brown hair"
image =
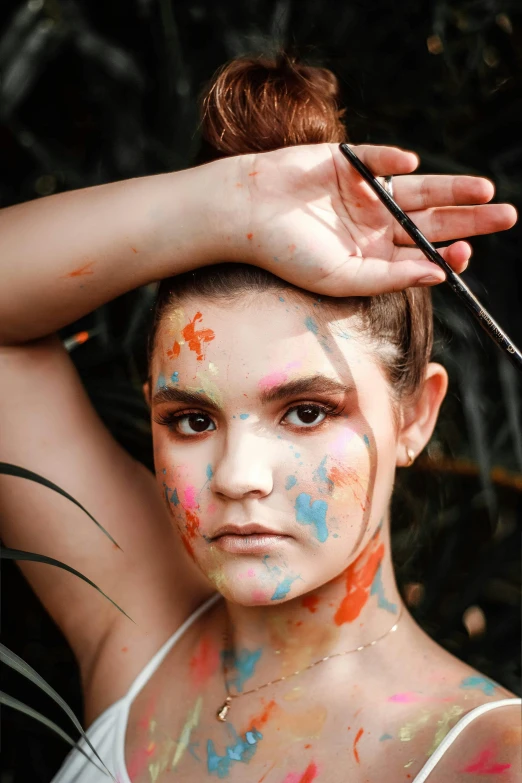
{"points": [[262, 104]]}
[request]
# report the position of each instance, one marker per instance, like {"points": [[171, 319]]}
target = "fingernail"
{"points": [[429, 280]]}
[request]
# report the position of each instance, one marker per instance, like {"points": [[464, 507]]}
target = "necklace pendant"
{"points": [[223, 712]]}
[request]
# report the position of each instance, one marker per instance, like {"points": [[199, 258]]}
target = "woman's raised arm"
{"points": [[301, 212]]}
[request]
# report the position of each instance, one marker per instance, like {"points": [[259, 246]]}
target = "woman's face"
{"points": [[292, 429]]}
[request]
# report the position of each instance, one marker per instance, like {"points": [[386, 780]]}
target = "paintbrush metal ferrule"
{"points": [[485, 320]]}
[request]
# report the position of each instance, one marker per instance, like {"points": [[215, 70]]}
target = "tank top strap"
{"points": [[456, 730], [149, 669]]}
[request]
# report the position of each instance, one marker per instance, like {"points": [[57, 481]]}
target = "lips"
{"points": [[246, 530]]}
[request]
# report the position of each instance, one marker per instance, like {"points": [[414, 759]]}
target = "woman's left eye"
{"points": [[308, 414]]}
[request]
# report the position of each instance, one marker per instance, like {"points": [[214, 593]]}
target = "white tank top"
{"points": [[107, 732]]}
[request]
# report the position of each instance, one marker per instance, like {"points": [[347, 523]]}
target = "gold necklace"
{"points": [[223, 711]]}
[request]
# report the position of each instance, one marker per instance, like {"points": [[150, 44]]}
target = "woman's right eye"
{"points": [[198, 421]]}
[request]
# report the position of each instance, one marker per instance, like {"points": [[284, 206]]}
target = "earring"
{"points": [[411, 457]]}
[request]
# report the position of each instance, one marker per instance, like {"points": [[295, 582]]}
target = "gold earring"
{"points": [[411, 457]]}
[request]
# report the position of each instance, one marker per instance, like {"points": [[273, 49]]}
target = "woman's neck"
{"points": [[357, 607]]}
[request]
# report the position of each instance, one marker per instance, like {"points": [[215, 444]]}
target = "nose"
{"points": [[244, 468]]}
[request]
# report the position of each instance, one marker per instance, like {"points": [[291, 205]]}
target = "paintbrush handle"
{"points": [[485, 320]]}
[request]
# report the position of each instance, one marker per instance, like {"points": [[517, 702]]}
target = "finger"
{"points": [[381, 160], [417, 191], [456, 255], [445, 223], [373, 276]]}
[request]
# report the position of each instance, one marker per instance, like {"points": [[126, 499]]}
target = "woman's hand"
{"points": [[312, 219]]}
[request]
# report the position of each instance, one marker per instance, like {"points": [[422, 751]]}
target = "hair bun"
{"points": [[263, 104]]}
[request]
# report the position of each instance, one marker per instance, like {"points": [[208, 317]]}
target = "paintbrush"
{"points": [[485, 320]]}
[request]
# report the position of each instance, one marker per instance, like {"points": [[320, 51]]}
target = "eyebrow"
{"points": [[318, 384]]}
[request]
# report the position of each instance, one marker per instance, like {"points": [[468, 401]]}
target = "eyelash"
{"points": [[170, 419]]}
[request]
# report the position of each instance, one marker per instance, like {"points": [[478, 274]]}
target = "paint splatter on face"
{"points": [[222, 460]]}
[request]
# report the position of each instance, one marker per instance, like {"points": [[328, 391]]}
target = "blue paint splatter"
{"points": [[283, 587], [210, 472], [244, 415], [281, 299], [321, 476], [311, 325], [385, 737], [164, 471], [297, 455], [174, 377], [291, 481], [308, 513], [240, 750], [479, 682], [244, 663], [378, 589], [160, 383], [275, 570], [366, 440], [174, 498]]}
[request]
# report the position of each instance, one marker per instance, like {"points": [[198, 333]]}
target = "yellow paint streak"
{"points": [[190, 724], [409, 730], [443, 726], [213, 370], [159, 766], [208, 386]]}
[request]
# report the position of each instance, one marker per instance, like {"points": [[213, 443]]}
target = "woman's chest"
{"points": [[294, 736]]}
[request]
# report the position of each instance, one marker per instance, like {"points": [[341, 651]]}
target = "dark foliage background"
{"points": [[92, 92]]}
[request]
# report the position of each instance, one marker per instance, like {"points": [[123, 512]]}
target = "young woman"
{"points": [[290, 375]]}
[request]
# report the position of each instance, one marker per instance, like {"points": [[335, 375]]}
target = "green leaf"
{"points": [[9, 701], [15, 470], [20, 554]]}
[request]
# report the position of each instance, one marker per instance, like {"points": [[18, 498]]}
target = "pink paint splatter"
{"points": [[139, 760], [410, 696], [190, 497], [339, 445], [259, 595], [212, 508], [272, 379], [483, 764]]}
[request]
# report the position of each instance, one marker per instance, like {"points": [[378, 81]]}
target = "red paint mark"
{"points": [[146, 718], [124, 649], [173, 352], [309, 774], [139, 759], [359, 577], [205, 661], [260, 720], [253, 174], [356, 740], [299, 623], [348, 477], [81, 271], [308, 746], [266, 773], [239, 184], [134, 250], [310, 602], [249, 236], [483, 764]]}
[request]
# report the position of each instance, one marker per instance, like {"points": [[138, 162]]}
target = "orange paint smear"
{"points": [[356, 740], [310, 602], [348, 477], [359, 577], [195, 338], [309, 774], [173, 352], [83, 270], [249, 236], [260, 720], [205, 662]]}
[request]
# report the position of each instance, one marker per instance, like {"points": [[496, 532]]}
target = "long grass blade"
{"points": [[20, 554], [15, 704], [7, 469]]}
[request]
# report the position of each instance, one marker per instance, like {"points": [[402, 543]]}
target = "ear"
{"points": [[146, 392], [419, 418]]}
